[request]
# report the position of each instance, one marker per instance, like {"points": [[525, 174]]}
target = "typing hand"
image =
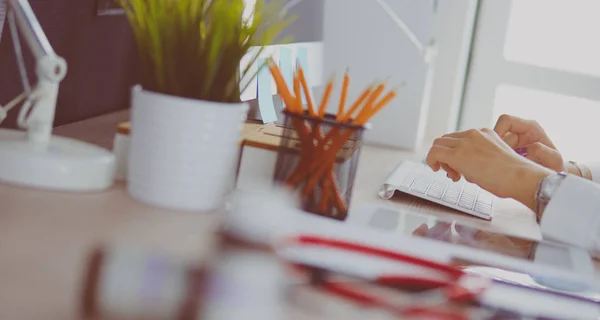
{"points": [[528, 134], [519, 133], [482, 157]]}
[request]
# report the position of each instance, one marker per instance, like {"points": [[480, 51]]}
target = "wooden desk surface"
{"points": [[45, 236]]}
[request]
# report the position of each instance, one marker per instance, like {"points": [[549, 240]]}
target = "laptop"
{"points": [[419, 180]]}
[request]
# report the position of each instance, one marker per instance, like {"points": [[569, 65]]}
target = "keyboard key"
{"points": [[485, 198], [452, 193], [471, 189], [409, 179], [466, 202], [437, 189], [468, 196], [421, 184], [439, 185], [483, 209]]}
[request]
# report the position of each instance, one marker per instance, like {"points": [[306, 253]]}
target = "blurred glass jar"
{"points": [[244, 280], [125, 283]]}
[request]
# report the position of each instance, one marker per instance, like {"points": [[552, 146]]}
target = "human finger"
{"points": [[437, 155], [545, 156], [451, 173], [458, 134], [518, 132], [507, 123], [450, 142], [511, 139], [445, 142]]}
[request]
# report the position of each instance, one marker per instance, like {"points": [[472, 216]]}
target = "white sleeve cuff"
{"points": [[573, 214]]}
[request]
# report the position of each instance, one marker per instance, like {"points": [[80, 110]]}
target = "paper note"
{"points": [[265, 96], [302, 56], [287, 67], [248, 82]]}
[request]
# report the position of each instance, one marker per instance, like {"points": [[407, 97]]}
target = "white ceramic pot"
{"points": [[183, 152]]}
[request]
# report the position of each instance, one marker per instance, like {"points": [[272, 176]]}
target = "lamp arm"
{"points": [[31, 29], [402, 25], [50, 70], [427, 51]]}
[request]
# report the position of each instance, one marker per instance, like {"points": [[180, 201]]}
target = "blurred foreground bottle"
{"points": [[244, 280]]}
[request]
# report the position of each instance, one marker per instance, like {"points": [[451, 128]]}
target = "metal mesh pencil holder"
{"points": [[318, 158]]}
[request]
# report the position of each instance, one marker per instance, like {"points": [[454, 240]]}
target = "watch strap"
{"points": [[546, 189]]}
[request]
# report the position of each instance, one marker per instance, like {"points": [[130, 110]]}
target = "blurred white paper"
{"points": [[287, 67], [265, 96], [302, 56]]}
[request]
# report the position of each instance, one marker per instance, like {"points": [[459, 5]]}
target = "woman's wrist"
{"points": [[527, 181]]}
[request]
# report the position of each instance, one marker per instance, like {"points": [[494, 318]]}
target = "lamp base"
{"points": [[62, 165]]}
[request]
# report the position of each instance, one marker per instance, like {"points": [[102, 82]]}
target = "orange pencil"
{"points": [[368, 113], [326, 97], [385, 100], [372, 97], [343, 96], [304, 83], [281, 86], [375, 95], [357, 104], [299, 108]]}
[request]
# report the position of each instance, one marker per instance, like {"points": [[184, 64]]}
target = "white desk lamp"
{"points": [[428, 54], [35, 158]]}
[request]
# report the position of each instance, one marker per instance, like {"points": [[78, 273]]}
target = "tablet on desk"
{"points": [[455, 241]]}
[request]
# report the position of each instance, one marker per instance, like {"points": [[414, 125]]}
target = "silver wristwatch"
{"points": [[546, 190]]}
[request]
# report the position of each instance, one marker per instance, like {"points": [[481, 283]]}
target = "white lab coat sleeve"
{"points": [[594, 170], [573, 214]]}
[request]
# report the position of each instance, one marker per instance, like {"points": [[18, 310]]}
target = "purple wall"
{"points": [[99, 51]]}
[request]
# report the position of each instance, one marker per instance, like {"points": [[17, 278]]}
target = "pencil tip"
{"points": [[332, 78]]}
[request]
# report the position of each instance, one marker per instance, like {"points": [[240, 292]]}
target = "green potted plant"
{"points": [[187, 115]]}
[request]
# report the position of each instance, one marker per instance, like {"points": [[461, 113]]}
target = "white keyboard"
{"points": [[419, 180]]}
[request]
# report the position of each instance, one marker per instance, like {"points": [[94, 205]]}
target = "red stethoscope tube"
{"points": [[454, 288]]}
